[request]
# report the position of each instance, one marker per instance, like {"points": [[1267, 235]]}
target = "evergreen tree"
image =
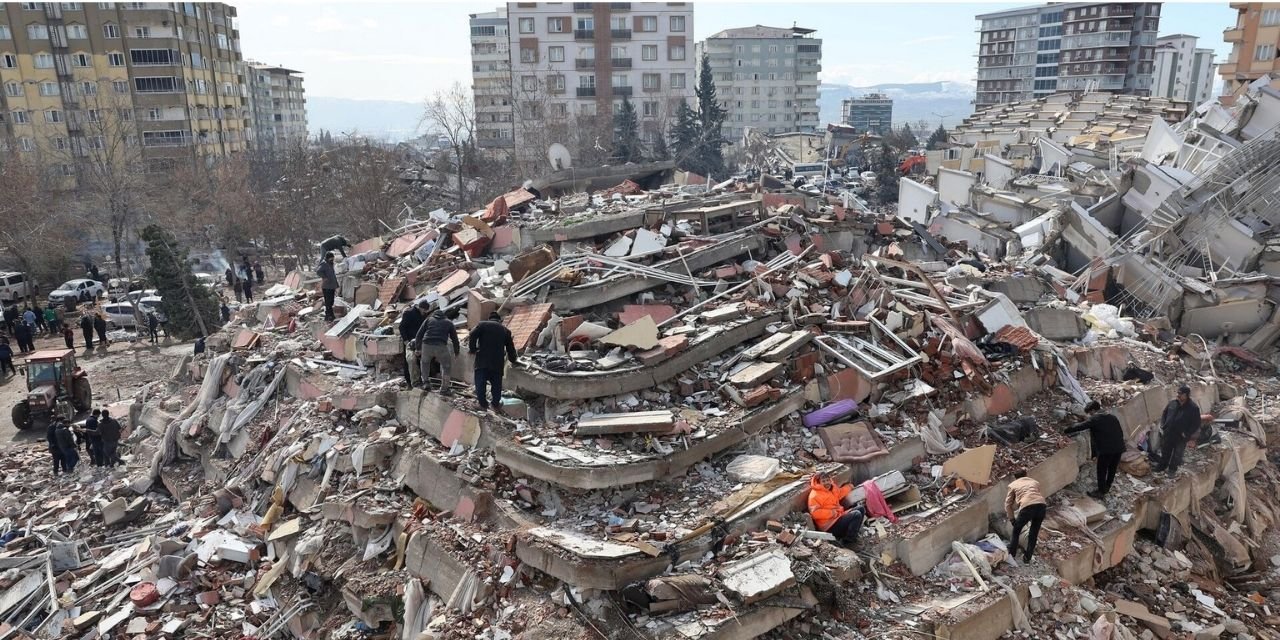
{"points": [[684, 135], [660, 150], [937, 139], [909, 140], [191, 307], [626, 133], [711, 115], [887, 175]]}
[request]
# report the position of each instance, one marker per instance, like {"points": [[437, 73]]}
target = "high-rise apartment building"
{"points": [[872, 113], [563, 69], [1039, 50], [164, 77], [1182, 71], [1254, 40], [278, 104], [766, 78]]}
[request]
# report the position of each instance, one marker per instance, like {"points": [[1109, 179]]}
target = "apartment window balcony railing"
{"points": [[620, 63], [586, 92], [582, 7], [620, 34], [619, 6], [584, 63], [584, 34], [622, 91]]}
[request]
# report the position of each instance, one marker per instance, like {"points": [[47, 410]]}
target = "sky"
{"points": [[408, 50]]}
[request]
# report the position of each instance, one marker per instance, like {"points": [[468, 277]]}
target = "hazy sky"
{"points": [[406, 51]]}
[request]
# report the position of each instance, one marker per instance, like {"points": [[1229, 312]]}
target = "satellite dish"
{"points": [[558, 155]]}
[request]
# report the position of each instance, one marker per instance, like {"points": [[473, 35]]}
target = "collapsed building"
{"points": [[690, 354]]}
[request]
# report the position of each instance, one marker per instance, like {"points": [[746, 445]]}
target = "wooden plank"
{"points": [[756, 374], [760, 348], [638, 422], [348, 322]]}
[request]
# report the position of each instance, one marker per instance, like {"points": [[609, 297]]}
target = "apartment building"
{"points": [[278, 104], [543, 72], [1254, 40], [1035, 51], [871, 113], [166, 78], [1182, 71], [766, 78]]}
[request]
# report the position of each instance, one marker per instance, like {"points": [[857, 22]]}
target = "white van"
{"points": [[119, 314], [15, 286]]}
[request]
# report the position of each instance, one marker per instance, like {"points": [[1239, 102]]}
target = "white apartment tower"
{"points": [[1182, 71], [766, 77], [279, 106], [563, 69]]}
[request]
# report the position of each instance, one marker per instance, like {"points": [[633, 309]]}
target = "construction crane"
{"points": [[942, 118]]}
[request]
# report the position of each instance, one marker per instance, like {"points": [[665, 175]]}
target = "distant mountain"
{"points": [[383, 119], [911, 102]]}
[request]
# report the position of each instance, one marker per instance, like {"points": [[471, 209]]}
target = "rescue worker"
{"points": [[1179, 422], [153, 326], [328, 284], [1106, 441], [66, 444], [486, 344], [92, 438], [335, 243], [51, 436], [22, 333], [432, 341], [829, 514], [86, 328], [410, 322], [1024, 495], [109, 431]]}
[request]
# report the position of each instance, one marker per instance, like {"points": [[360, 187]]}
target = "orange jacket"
{"points": [[824, 503]]}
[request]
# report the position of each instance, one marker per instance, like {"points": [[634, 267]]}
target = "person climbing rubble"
{"points": [[486, 344], [328, 284], [432, 341], [1106, 441], [828, 511], [410, 322], [1024, 495], [335, 243], [1180, 421]]}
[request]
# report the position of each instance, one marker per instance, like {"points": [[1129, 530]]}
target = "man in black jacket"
{"points": [[1106, 439], [410, 322], [86, 327], [109, 431], [486, 344], [328, 284], [433, 340], [1180, 421]]}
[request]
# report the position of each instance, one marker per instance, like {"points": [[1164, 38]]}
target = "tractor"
{"points": [[55, 385]]}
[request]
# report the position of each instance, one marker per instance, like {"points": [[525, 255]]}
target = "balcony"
{"points": [[582, 7], [1227, 68], [619, 6], [586, 92], [622, 91], [620, 34], [584, 63], [584, 34], [620, 63], [1233, 35]]}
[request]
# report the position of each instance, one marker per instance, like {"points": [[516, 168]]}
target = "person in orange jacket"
{"points": [[829, 514]]}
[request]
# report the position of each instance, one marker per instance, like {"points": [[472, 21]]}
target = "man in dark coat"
{"points": [[93, 438], [100, 325], [328, 284], [410, 322], [55, 450], [487, 343], [66, 445], [22, 333], [258, 273], [1106, 439], [86, 327], [432, 341], [109, 431], [335, 243], [1180, 421]]}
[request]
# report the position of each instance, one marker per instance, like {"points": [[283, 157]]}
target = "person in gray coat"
{"points": [[328, 284]]}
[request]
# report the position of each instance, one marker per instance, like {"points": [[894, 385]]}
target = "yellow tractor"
{"points": [[54, 385]]}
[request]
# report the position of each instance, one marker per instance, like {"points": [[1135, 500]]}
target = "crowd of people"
{"points": [[100, 437]]}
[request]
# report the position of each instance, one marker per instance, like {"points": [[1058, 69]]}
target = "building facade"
{"points": [[1254, 40], [871, 113], [1036, 51], [278, 103], [164, 78], [766, 78], [1182, 71], [564, 69]]}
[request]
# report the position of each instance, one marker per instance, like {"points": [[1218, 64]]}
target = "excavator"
{"points": [[910, 165]]}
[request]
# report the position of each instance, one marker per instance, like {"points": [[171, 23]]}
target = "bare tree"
{"points": [[34, 227], [452, 114]]}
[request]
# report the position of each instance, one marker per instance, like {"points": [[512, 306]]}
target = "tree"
{"points": [[660, 150], [452, 113], [887, 175], [35, 228], [626, 133], [937, 139], [192, 308], [684, 133], [696, 138]]}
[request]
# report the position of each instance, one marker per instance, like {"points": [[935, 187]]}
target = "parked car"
{"points": [[119, 314], [119, 288], [148, 304], [136, 295], [80, 290], [15, 286], [209, 279]]}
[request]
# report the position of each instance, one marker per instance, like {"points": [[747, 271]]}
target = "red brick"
{"points": [[803, 366], [726, 272], [848, 384], [632, 312], [787, 538], [525, 324], [756, 396], [455, 280], [667, 347]]}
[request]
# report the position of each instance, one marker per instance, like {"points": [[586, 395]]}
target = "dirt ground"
{"points": [[115, 373]]}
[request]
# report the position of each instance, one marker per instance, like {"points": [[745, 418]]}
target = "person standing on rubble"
{"points": [[828, 512], [486, 344], [335, 243], [6, 359], [432, 340], [1024, 494], [410, 322], [109, 432], [233, 283], [86, 327], [153, 326], [93, 438], [100, 326], [1179, 422], [328, 284], [1106, 440], [51, 436]]}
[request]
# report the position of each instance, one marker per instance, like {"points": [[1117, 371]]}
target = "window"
{"points": [[115, 59], [80, 60], [43, 61], [120, 86], [555, 54], [88, 88], [586, 24], [617, 52], [587, 53], [164, 138], [649, 52], [110, 31], [1049, 45], [651, 81], [1270, 17], [126, 115], [675, 52], [95, 142], [8, 60], [37, 32], [77, 32], [1264, 52], [555, 25], [559, 109], [155, 114], [12, 89], [142, 32], [556, 83], [157, 84], [526, 25], [31, 6], [222, 41], [649, 23], [152, 57], [529, 83], [5, 33], [618, 23], [52, 116], [19, 116], [587, 82], [677, 81], [677, 24], [528, 55], [27, 143], [71, 6], [197, 61], [1047, 58], [49, 89], [59, 143], [649, 108], [620, 80]]}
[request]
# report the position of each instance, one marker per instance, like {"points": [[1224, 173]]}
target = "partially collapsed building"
{"points": [[690, 354]]}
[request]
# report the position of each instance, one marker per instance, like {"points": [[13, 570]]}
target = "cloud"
{"points": [[868, 74], [928, 40], [369, 23], [327, 22]]}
